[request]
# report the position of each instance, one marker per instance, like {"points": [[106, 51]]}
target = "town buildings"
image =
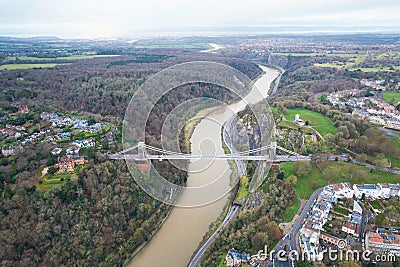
{"points": [[312, 230], [376, 191], [236, 258], [383, 241]]}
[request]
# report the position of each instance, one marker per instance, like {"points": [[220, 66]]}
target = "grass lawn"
{"points": [[292, 125], [291, 211], [387, 96], [47, 185], [336, 172], [222, 260], [52, 180], [376, 205], [27, 66], [58, 176], [79, 135], [341, 210], [306, 184], [243, 188], [319, 122]]}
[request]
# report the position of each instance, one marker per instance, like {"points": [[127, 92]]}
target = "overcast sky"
{"points": [[115, 18]]}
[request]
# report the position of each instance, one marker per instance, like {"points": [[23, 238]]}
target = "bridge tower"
{"points": [[142, 151], [272, 150]]}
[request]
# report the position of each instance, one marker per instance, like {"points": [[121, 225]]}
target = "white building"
{"points": [[367, 190], [298, 121], [385, 189], [394, 190], [350, 228], [56, 151], [342, 190], [11, 150]]}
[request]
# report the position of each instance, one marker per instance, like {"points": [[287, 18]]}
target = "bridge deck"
{"points": [[210, 157]]}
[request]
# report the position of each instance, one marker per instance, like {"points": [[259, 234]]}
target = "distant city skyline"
{"points": [[119, 18]]}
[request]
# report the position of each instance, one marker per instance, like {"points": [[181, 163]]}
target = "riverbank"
{"points": [[185, 228], [138, 249], [226, 217]]}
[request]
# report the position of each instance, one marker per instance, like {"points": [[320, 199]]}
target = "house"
{"points": [[56, 151], [65, 135], [236, 258], [21, 108], [80, 161], [12, 150], [342, 190], [65, 165], [394, 190], [73, 151], [367, 190], [383, 242], [298, 121], [350, 228], [110, 137], [84, 143], [357, 207], [385, 189], [310, 249], [332, 240]]}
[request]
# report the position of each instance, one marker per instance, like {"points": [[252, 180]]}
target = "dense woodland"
{"points": [[101, 218], [253, 229]]}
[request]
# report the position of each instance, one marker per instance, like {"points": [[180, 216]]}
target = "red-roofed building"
{"points": [[383, 242], [65, 165]]}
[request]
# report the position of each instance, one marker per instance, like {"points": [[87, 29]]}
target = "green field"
{"points": [[304, 186], [352, 61], [291, 211], [322, 124], [387, 96], [243, 188], [73, 57], [27, 66], [292, 125], [47, 185], [52, 180], [336, 172]]}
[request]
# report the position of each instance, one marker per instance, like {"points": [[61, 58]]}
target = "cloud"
{"points": [[121, 17]]}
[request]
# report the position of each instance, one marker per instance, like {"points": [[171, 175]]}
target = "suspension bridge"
{"points": [[161, 154]]}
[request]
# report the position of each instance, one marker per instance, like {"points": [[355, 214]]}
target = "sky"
{"points": [[130, 18]]}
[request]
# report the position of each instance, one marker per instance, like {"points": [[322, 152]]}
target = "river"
{"points": [[182, 232]]}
